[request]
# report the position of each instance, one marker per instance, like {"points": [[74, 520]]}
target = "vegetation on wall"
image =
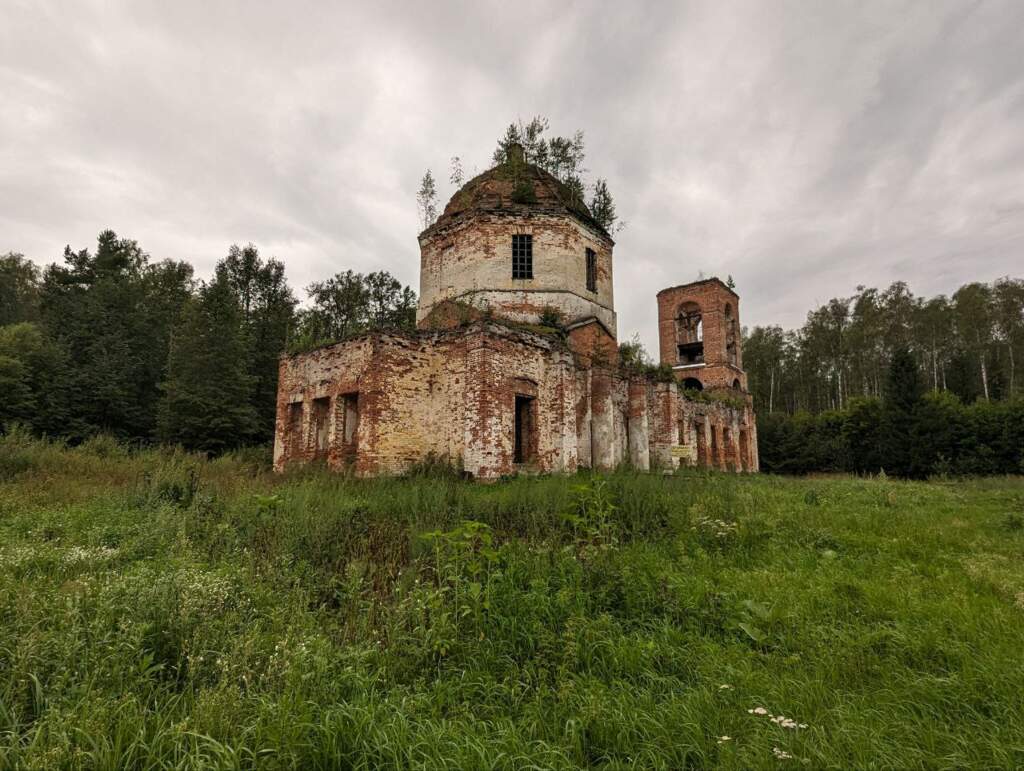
{"points": [[426, 199], [561, 156]]}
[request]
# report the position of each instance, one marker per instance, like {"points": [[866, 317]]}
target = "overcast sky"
{"points": [[802, 147]]}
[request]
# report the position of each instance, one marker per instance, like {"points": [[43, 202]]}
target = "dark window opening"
{"points": [[294, 428], [522, 256], [690, 334], [591, 270], [350, 417], [692, 384], [321, 410], [524, 445], [730, 449], [736, 384], [690, 353], [702, 444]]}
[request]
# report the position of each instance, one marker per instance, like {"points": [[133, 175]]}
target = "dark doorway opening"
{"points": [[321, 411], [347, 426], [692, 384], [294, 440], [702, 444], [525, 440]]}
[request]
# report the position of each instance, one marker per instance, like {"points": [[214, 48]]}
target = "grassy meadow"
{"points": [[159, 611]]}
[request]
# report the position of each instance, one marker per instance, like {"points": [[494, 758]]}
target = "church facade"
{"points": [[514, 366]]}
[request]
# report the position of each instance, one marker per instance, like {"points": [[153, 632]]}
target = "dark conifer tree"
{"points": [[268, 308], [94, 306], [207, 402], [901, 453], [112, 312]]}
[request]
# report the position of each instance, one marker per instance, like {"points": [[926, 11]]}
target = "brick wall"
{"points": [[472, 261], [452, 394], [719, 308]]}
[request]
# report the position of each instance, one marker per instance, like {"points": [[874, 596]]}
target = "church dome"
{"points": [[515, 187], [516, 241]]}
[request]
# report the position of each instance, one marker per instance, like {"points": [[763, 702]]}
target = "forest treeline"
{"points": [[108, 341], [970, 345], [111, 342], [885, 381]]}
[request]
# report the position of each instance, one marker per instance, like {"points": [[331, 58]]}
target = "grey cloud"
{"points": [[802, 147]]}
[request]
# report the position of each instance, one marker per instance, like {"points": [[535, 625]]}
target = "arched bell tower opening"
{"points": [[689, 334], [699, 332]]}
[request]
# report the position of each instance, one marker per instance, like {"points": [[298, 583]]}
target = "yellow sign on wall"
{"points": [[685, 452]]}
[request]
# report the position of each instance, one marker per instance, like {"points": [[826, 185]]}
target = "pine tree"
{"points": [[207, 403], [426, 199], [512, 136], [602, 207], [268, 310], [456, 174], [96, 307], [901, 451]]}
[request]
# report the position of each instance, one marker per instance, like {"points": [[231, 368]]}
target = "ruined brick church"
{"points": [[514, 365]]}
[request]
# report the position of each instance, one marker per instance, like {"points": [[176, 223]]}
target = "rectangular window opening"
{"points": [[524, 441], [294, 428], [690, 353], [522, 256], [350, 403], [591, 270], [702, 444], [321, 410]]}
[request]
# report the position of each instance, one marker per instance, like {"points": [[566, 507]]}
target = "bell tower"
{"points": [[699, 335]]}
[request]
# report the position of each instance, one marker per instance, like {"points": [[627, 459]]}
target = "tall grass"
{"points": [[158, 610]]}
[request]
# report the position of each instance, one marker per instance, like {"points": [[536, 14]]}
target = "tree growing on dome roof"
{"points": [[562, 157], [456, 176], [426, 199], [602, 207]]}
